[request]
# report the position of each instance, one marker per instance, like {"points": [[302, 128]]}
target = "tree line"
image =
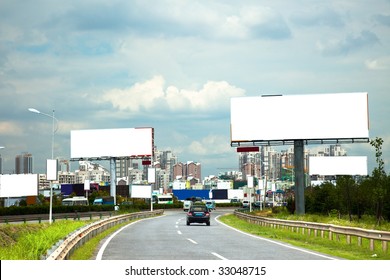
{"points": [[352, 196]]}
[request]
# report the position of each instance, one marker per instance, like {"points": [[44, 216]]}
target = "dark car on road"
{"points": [[198, 213]]}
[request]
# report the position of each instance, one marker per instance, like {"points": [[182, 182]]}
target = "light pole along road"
{"points": [[53, 131], [169, 238]]}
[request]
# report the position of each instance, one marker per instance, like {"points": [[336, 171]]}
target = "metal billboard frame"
{"points": [[363, 136], [113, 159]]}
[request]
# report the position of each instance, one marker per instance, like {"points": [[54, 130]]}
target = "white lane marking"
{"points": [[274, 242], [101, 250], [219, 256], [189, 239], [178, 232]]}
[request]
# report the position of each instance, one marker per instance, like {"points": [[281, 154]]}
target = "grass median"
{"points": [[338, 248]]}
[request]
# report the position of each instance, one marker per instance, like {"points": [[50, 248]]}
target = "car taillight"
{"points": [[206, 213], [189, 214]]}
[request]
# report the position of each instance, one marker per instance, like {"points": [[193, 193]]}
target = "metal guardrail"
{"points": [[82, 235], [319, 228]]}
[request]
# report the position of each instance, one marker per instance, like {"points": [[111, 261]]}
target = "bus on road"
{"points": [[76, 200], [163, 199]]}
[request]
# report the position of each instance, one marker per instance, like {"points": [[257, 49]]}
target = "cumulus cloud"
{"points": [[10, 128], [254, 22], [152, 95], [382, 63], [210, 145]]}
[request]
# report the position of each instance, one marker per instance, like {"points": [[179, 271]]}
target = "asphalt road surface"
{"points": [[169, 238]]}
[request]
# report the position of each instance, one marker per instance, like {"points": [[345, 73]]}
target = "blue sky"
{"points": [[174, 65]]}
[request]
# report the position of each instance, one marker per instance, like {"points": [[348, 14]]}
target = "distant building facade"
{"points": [[24, 164]]}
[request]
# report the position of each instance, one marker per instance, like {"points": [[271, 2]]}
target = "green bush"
{"points": [[44, 209]]}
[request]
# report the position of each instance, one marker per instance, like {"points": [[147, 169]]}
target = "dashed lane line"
{"points": [[193, 241]]}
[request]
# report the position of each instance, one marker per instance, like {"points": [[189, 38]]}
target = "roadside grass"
{"points": [[366, 222], [89, 249], [337, 247], [31, 241]]}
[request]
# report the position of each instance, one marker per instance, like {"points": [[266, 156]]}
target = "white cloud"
{"points": [[210, 145], [10, 128], [152, 95], [140, 95], [382, 63]]}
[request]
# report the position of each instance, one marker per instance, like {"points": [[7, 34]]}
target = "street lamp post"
{"points": [[52, 156]]}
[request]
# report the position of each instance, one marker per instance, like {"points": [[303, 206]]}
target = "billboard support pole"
{"points": [[299, 161], [113, 178]]}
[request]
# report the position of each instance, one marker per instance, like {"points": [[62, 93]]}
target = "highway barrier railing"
{"points": [[323, 230], [64, 249]]}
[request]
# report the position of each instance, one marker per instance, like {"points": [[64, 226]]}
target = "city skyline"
{"points": [[175, 65], [267, 161]]}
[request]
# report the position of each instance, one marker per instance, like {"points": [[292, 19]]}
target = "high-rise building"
{"points": [[337, 150], [178, 170], [194, 170], [24, 164], [122, 167], [165, 160], [186, 170]]}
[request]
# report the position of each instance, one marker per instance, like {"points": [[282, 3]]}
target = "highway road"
{"points": [[168, 237]]}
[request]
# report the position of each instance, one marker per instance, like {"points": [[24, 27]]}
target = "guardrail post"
{"points": [[372, 247], [384, 246]]}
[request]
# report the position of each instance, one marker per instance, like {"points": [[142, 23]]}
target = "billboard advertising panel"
{"points": [[18, 185], [342, 165], [51, 169], [141, 191], [108, 143], [298, 117]]}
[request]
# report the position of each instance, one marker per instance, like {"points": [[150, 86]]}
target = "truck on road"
{"points": [[105, 200]]}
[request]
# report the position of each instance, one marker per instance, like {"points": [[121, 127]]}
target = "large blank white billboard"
{"points": [[108, 143], [299, 117], [18, 185], [141, 191], [341, 165]]}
